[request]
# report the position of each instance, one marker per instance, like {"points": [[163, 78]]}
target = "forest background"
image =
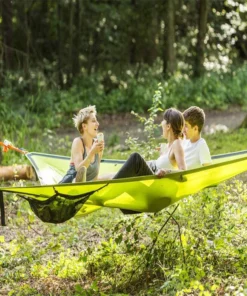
{"points": [[59, 56]]}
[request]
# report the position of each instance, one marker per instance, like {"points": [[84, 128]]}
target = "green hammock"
{"points": [[56, 203]]}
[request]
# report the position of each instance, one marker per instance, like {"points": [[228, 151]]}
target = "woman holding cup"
{"points": [[87, 149]]}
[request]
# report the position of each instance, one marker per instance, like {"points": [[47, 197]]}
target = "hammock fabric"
{"points": [[56, 203]]}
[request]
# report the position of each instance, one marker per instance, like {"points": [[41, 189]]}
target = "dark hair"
{"points": [[195, 116], [176, 120]]}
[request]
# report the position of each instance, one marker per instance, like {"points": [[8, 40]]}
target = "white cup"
{"points": [[100, 137]]}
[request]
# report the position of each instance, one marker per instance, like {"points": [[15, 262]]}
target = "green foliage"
{"points": [[48, 107], [200, 249], [147, 145], [212, 91], [66, 39], [227, 142]]}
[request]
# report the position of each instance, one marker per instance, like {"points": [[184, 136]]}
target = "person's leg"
{"points": [[134, 166], [70, 175], [81, 175]]}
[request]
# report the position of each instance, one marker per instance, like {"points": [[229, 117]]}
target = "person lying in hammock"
{"points": [[171, 159], [86, 150], [195, 152]]}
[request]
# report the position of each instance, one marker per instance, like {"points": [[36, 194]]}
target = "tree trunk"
{"points": [[93, 59], [151, 50], [59, 45], [71, 45], [76, 42], [27, 13], [169, 40], [17, 172], [22, 55], [133, 38], [7, 33], [45, 28], [203, 6]]}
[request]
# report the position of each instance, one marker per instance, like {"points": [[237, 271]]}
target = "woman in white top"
{"points": [[171, 159]]}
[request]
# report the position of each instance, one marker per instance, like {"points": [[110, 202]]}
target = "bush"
{"points": [[132, 90]]}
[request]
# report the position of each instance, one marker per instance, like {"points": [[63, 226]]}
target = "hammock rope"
{"points": [[7, 145], [2, 209]]}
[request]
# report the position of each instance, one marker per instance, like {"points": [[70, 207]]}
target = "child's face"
{"points": [[189, 131]]}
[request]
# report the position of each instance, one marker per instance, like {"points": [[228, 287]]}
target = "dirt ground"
{"points": [[231, 118], [121, 125], [117, 126]]}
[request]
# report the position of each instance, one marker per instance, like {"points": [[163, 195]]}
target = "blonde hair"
{"points": [[83, 116]]}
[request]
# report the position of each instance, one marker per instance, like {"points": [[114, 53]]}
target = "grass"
{"points": [[227, 142], [201, 251]]}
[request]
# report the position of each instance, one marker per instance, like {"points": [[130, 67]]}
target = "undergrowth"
{"points": [[194, 247], [41, 105], [200, 249]]}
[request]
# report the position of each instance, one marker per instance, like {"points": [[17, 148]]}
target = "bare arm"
{"points": [[179, 155], [106, 176], [179, 158], [77, 151], [102, 143]]}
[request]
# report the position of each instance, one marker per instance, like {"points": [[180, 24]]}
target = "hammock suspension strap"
{"points": [[2, 209], [8, 145]]}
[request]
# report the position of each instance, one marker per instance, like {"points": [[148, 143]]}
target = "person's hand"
{"points": [[101, 145], [161, 149], [98, 147], [162, 172]]}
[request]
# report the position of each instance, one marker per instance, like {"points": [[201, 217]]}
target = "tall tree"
{"points": [[59, 44], [203, 7], [7, 34], [77, 38], [71, 39], [133, 38], [169, 39]]}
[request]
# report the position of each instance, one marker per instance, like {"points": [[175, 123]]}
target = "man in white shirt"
{"points": [[196, 151]]}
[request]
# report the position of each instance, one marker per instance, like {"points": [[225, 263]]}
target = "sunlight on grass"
{"points": [[202, 249]]}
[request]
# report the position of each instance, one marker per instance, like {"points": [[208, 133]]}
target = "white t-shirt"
{"points": [[196, 154]]}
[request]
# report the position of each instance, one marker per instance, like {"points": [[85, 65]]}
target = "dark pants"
{"points": [[70, 175], [134, 166]]}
